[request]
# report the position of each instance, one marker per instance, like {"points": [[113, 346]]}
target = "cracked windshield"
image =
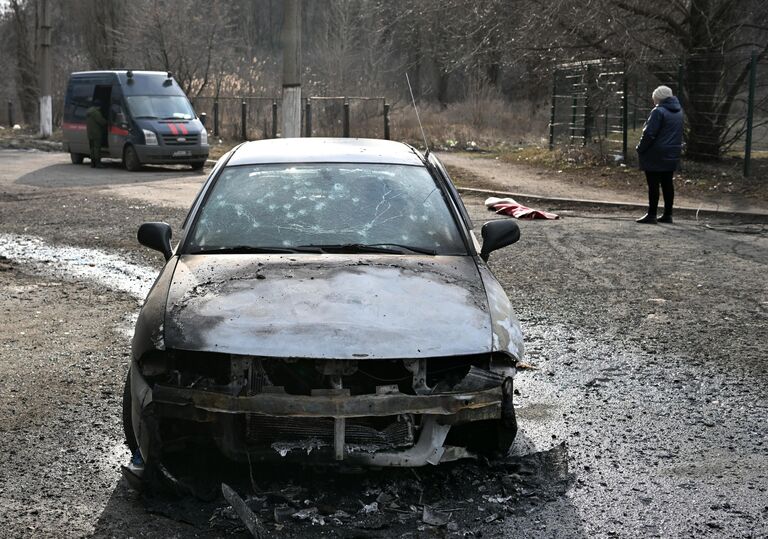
{"points": [[287, 206]]}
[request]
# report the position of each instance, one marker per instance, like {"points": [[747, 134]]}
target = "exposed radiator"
{"points": [[380, 433]]}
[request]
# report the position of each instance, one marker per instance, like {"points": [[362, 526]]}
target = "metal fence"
{"points": [[604, 103], [240, 118], [258, 117], [588, 105], [250, 118]]}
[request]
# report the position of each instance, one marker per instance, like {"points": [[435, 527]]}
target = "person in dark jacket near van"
{"points": [[95, 126], [659, 152]]}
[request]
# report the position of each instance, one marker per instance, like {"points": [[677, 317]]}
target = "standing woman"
{"points": [[659, 152]]}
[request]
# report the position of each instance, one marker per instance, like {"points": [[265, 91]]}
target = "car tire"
{"points": [[490, 436], [130, 437], [487, 437], [197, 165], [77, 158], [506, 434], [131, 159]]}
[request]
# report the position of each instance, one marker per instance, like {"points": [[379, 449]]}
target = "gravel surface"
{"points": [[644, 413]]}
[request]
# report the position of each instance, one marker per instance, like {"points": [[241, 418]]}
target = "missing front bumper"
{"points": [[331, 404], [435, 415]]}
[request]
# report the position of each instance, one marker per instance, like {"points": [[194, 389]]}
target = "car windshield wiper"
{"points": [[145, 117], [246, 249], [177, 118], [389, 248], [422, 250]]}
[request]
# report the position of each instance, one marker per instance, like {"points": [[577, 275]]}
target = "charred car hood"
{"points": [[328, 306]]}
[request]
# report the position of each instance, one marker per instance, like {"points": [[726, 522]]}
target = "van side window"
{"points": [[80, 101], [117, 115]]}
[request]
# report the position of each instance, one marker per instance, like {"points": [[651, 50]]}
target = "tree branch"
{"points": [[673, 25]]}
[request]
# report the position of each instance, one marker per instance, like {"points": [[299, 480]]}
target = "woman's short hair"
{"points": [[661, 93]]}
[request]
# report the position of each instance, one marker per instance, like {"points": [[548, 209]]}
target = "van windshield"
{"points": [[161, 107]]}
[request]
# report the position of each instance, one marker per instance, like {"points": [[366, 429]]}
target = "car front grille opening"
{"points": [[375, 433]]}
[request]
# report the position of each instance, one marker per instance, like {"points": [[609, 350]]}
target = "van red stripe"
{"points": [[173, 129], [114, 130], [183, 129]]}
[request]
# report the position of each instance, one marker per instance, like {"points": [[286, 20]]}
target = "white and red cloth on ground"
{"points": [[508, 206]]}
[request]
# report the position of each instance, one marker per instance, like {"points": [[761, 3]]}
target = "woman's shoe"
{"points": [[648, 218], [666, 218]]}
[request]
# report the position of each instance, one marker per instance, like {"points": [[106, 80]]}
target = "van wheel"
{"points": [[131, 159], [77, 158], [197, 165]]}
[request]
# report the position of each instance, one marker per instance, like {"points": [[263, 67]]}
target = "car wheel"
{"points": [[77, 158], [198, 165], [130, 437], [131, 159]]}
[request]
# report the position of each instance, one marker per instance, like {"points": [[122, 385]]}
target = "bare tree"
{"points": [[23, 15], [450, 48], [101, 25], [708, 37], [182, 38]]}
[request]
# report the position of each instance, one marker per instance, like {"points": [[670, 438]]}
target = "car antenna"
{"points": [[413, 100]]}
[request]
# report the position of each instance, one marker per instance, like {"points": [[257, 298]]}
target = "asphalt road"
{"points": [[645, 414]]}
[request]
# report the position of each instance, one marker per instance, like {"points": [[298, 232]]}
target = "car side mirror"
{"points": [[498, 234], [203, 118], [156, 236]]}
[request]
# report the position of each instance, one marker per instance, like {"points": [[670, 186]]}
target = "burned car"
{"points": [[327, 300]]}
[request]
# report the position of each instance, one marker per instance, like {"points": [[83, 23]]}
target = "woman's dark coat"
{"points": [[662, 141]]}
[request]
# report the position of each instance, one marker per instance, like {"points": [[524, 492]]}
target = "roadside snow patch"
{"points": [[69, 262]]}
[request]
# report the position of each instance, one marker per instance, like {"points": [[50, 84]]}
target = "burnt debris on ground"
{"points": [[467, 498]]}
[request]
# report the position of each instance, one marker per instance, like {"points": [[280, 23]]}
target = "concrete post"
{"points": [[46, 106], [292, 68]]}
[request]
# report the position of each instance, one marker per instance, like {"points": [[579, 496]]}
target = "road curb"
{"points": [[523, 197]]}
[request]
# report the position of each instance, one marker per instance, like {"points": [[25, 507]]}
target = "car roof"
{"points": [[325, 150]]}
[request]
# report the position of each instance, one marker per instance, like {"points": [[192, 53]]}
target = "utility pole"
{"points": [[46, 107], [292, 68]]}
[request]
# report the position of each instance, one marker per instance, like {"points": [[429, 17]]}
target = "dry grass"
{"points": [[28, 133], [590, 167], [217, 149], [475, 124], [483, 123]]}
